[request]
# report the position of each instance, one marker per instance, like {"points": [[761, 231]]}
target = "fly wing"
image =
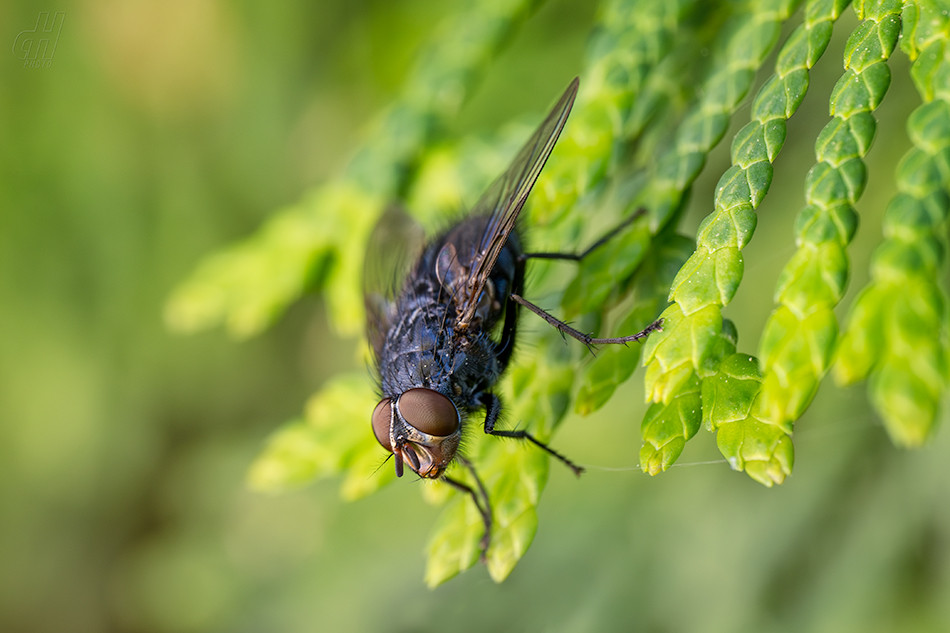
{"points": [[503, 200], [394, 246]]}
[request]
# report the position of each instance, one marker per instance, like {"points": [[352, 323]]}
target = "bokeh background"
{"points": [[166, 129]]}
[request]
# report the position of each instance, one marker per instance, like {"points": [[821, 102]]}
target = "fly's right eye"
{"points": [[382, 420]]}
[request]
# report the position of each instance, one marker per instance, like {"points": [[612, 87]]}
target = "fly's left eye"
{"points": [[382, 417], [429, 411]]}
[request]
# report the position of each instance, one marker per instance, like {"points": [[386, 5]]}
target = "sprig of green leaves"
{"points": [[693, 343], [638, 60], [897, 328]]}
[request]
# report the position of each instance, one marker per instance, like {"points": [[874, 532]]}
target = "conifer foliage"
{"points": [[647, 116]]}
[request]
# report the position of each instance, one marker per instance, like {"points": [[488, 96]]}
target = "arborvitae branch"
{"points": [[692, 344], [799, 339], [694, 375], [897, 331]]}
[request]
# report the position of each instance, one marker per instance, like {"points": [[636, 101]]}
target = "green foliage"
{"points": [[317, 245], [638, 138], [633, 36], [897, 327], [732, 406], [710, 278], [668, 425], [313, 246], [319, 446], [800, 337]]}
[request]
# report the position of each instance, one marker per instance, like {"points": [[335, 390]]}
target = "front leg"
{"points": [[492, 405], [483, 510]]}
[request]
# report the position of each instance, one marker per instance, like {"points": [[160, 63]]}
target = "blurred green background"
{"points": [[165, 130]]}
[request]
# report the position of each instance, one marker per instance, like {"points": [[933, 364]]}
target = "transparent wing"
{"points": [[506, 196], [394, 246]]}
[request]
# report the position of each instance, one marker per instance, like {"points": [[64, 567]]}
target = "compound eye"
{"points": [[429, 411], [382, 419]]}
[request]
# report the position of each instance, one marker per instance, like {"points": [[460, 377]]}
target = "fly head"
{"points": [[421, 427]]}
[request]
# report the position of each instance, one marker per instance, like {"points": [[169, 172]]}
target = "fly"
{"points": [[431, 309]]}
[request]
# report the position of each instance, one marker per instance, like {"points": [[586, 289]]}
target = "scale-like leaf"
{"points": [[896, 332], [710, 278], [800, 337], [334, 437]]}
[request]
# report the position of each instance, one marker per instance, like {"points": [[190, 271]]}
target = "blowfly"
{"points": [[431, 311]]}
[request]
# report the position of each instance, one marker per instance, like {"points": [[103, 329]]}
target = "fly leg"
{"points": [[493, 409], [563, 327], [484, 510], [587, 339], [576, 257]]}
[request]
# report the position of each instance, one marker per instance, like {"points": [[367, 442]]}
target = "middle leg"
{"points": [[563, 327], [493, 409]]}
